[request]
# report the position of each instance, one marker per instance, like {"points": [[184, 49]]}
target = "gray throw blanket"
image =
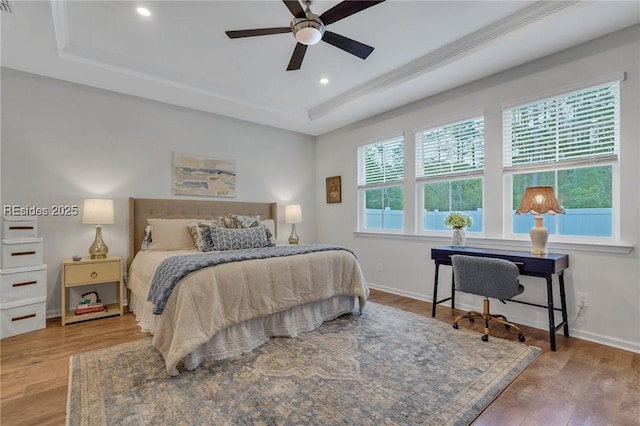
{"points": [[176, 268]]}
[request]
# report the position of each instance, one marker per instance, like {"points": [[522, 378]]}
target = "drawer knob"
{"points": [[94, 274]]}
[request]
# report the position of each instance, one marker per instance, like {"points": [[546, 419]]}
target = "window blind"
{"points": [[572, 127], [381, 162], [456, 148]]}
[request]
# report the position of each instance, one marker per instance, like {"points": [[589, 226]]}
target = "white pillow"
{"points": [[170, 234], [270, 224]]}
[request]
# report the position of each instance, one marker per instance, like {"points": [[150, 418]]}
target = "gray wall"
{"points": [[401, 263], [63, 142]]}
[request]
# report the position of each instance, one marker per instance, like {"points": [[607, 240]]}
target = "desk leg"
{"points": [[563, 303], [435, 291], [552, 323]]}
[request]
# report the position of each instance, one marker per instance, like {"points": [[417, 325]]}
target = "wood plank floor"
{"points": [[582, 383]]}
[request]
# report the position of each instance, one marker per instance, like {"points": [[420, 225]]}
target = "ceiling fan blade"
{"points": [[344, 9], [257, 32], [298, 55], [341, 42], [295, 8]]}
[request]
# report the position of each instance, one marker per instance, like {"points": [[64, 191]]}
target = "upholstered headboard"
{"points": [[141, 209]]}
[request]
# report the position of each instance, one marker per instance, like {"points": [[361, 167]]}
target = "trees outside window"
{"points": [[570, 143], [380, 184], [449, 169]]}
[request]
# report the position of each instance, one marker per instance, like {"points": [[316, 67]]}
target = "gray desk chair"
{"points": [[484, 276]]}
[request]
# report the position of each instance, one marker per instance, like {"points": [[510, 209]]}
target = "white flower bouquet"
{"points": [[457, 220]]}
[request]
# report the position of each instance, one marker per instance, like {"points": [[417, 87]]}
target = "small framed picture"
{"points": [[334, 190]]}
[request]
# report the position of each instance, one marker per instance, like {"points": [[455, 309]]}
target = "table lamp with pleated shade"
{"points": [[539, 200]]}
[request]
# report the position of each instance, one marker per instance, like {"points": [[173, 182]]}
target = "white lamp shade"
{"points": [[97, 211], [293, 213]]}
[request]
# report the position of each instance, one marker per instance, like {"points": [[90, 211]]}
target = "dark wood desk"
{"points": [[543, 266]]}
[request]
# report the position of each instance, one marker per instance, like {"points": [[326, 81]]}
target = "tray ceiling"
{"points": [[181, 55]]}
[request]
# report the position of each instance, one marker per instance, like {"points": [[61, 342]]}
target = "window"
{"points": [[380, 185], [449, 170], [569, 142]]}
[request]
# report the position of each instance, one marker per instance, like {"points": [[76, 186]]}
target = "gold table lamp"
{"points": [[293, 215], [98, 212]]}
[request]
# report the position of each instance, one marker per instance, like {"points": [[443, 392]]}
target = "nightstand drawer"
{"points": [[23, 283], [89, 273]]}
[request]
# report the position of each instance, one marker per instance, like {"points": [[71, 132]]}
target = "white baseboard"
{"points": [[606, 340], [56, 313], [613, 342], [397, 292]]}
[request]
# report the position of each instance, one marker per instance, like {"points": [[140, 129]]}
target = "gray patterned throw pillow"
{"points": [[146, 242], [237, 239], [201, 234], [243, 221]]}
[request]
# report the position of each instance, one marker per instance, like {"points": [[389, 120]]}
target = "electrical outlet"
{"points": [[583, 299]]}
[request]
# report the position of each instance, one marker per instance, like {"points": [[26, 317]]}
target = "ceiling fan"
{"points": [[309, 28]]}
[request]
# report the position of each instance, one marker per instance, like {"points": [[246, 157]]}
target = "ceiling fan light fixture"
{"points": [[308, 35], [308, 30]]}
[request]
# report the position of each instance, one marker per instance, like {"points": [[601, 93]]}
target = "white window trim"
{"points": [[507, 240], [362, 188], [612, 160], [520, 244], [420, 181]]}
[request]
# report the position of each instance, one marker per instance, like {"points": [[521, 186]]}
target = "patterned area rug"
{"points": [[385, 367]]}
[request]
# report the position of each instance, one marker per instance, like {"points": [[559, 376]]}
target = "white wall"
{"points": [[63, 142], [402, 264]]}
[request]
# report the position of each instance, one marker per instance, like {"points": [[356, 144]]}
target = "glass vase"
{"points": [[458, 238]]}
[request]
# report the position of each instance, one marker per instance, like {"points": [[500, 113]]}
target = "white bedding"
{"points": [[232, 308]]}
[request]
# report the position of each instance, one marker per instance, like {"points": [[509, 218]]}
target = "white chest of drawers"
{"points": [[23, 277]]}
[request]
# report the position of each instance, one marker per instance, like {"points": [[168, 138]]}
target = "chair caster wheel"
{"points": [[485, 338], [455, 325], [521, 337]]}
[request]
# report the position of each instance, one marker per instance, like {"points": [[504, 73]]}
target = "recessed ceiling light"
{"points": [[143, 11], [324, 80]]}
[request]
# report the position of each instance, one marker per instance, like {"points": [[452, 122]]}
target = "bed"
{"points": [[230, 308]]}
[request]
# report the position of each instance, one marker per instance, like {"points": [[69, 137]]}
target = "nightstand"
{"points": [[91, 272]]}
